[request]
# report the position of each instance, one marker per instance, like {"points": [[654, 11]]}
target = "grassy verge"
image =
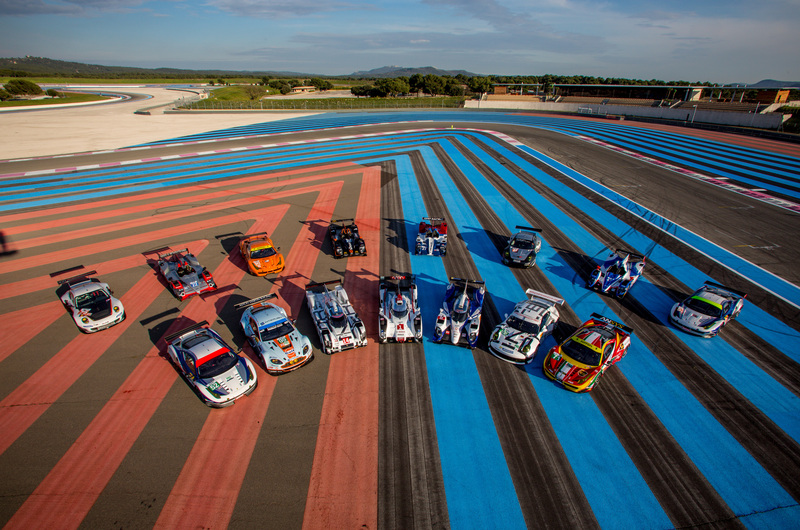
{"points": [[71, 98], [216, 103]]}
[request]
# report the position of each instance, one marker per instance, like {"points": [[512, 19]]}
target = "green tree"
{"points": [[20, 87], [479, 84], [254, 92], [4, 95], [361, 90], [433, 85], [416, 82]]}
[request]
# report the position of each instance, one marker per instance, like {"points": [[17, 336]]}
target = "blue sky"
{"points": [[722, 41]]}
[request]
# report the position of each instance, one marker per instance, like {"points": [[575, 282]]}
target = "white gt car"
{"points": [[217, 373], [337, 323], [273, 336], [399, 315], [517, 338], [91, 303]]}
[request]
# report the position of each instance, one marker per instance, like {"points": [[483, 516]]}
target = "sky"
{"points": [[721, 41]]}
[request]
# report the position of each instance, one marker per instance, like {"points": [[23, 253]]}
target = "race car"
{"points": [[260, 254], [432, 237], [460, 316], [218, 375], [184, 274], [517, 338], [273, 336], [399, 315], [345, 239], [522, 247], [337, 323], [91, 303], [618, 273], [579, 361], [707, 310]]}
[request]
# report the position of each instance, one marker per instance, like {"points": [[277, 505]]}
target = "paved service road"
{"points": [[100, 430]]}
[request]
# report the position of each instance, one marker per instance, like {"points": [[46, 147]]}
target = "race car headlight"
{"points": [[495, 335], [274, 360], [85, 320], [529, 258], [507, 253], [526, 345], [678, 311], [306, 348], [116, 309]]}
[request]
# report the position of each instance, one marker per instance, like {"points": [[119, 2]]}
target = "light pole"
{"points": [[694, 112]]}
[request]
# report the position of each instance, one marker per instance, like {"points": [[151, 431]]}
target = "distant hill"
{"points": [[398, 71], [42, 66], [772, 83]]}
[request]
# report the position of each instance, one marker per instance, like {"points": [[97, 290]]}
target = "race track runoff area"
{"points": [[101, 431]]}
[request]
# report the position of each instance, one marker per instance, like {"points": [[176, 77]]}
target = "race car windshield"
{"points": [[92, 300], [400, 313], [277, 331], [261, 253], [217, 365], [338, 321], [522, 325], [581, 353], [522, 244], [701, 306], [459, 316]]}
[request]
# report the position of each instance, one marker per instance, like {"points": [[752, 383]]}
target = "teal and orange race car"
{"points": [[260, 254], [579, 361]]}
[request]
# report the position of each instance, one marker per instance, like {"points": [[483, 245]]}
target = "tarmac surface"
{"points": [[101, 431]]}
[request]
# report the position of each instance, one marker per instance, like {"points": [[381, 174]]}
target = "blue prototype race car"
{"points": [[618, 273], [459, 318]]}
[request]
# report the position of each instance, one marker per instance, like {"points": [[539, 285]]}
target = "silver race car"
{"points": [[91, 303], [336, 321], [517, 338], [707, 310], [273, 336], [459, 318], [184, 274], [618, 273], [522, 247], [399, 315], [218, 375]]}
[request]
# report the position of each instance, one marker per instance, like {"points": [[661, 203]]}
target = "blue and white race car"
{"points": [[459, 318], [707, 310], [432, 237], [273, 336], [217, 373], [618, 273], [338, 325], [91, 303]]}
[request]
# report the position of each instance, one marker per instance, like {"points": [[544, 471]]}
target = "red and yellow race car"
{"points": [[261, 255], [579, 361]]}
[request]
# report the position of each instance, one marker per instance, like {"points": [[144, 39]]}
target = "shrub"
{"points": [[20, 87]]}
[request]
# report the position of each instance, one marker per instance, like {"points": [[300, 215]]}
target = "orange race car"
{"points": [[261, 255]]}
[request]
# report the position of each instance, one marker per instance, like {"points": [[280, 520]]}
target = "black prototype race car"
{"points": [[345, 239]]}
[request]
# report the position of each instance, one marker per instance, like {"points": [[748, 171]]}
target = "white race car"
{"points": [[517, 338], [337, 323], [273, 336], [399, 316], [91, 303], [707, 310], [218, 375]]}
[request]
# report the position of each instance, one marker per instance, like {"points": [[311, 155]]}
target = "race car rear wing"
{"points": [[314, 285], [433, 218], [409, 279], [534, 295], [172, 336], [254, 301], [168, 254], [729, 289], [77, 279], [623, 327], [465, 280], [246, 236], [633, 255], [342, 220], [518, 227]]}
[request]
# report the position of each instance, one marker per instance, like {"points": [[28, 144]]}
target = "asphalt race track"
{"points": [[100, 431]]}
